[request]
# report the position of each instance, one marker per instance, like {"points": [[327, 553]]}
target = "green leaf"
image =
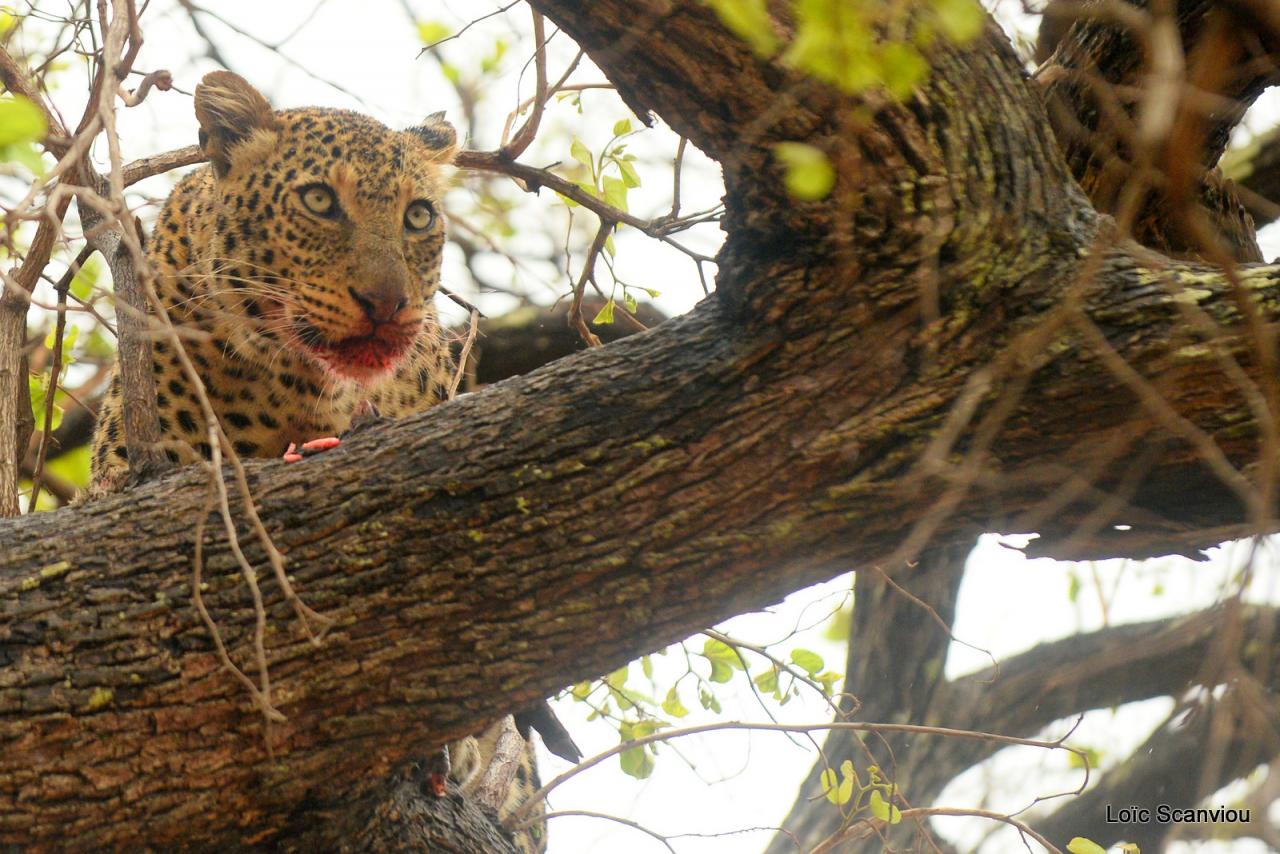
{"points": [[767, 681], [38, 396], [1080, 845], [1073, 587], [720, 672], [838, 790], [25, 154], [68, 338], [748, 20], [431, 32], [20, 121], [882, 809], [72, 466], [621, 126], [960, 20], [831, 785], [646, 666], [629, 302], [490, 63], [629, 175], [578, 151], [609, 247], [581, 691], [721, 651], [618, 678], [604, 315], [636, 762], [624, 702], [653, 294], [672, 705], [615, 192], [808, 174], [85, 278], [708, 700], [839, 626], [646, 727], [810, 661], [902, 69]]}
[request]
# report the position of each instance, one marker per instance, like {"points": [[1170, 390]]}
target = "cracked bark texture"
{"points": [[786, 429]]}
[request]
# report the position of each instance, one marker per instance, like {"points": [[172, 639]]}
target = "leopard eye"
{"points": [[320, 200], [419, 216]]}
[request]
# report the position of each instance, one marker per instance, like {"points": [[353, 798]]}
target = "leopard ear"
{"points": [[229, 111], [439, 136]]}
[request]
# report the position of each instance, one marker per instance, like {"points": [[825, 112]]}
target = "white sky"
{"points": [[730, 781]]}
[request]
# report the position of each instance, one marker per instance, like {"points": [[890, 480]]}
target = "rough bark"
{"points": [[769, 439], [1094, 62]]}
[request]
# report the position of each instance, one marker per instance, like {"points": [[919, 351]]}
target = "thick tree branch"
{"points": [[841, 393]]}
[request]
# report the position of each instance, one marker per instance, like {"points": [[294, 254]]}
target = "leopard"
{"points": [[300, 265]]}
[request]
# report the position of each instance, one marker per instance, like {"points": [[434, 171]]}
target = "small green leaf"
{"points": [[621, 126], [618, 678], [646, 666], [882, 809], [490, 63], [581, 691], [629, 175], [960, 20], [609, 247], [845, 793], [808, 174], [902, 69], [672, 705], [604, 315], [807, 659], [25, 154], [84, 280], [20, 121], [720, 672], [615, 192], [636, 762], [748, 20], [831, 785], [578, 151], [653, 294], [1080, 845], [430, 32], [708, 700], [767, 681]]}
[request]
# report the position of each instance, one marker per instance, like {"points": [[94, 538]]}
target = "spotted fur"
{"points": [[301, 264]]}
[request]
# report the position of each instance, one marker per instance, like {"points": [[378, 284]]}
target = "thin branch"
{"points": [[529, 129], [588, 273], [55, 371]]}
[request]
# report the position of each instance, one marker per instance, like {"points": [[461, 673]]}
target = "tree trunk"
{"points": [[836, 403]]}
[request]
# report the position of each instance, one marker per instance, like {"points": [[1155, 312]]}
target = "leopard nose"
{"points": [[380, 305]]}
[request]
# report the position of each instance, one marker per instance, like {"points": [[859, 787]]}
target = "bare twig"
{"points": [[588, 273], [473, 329], [55, 370], [529, 129]]}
